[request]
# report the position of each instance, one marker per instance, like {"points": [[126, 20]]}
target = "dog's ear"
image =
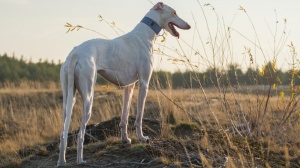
{"points": [[159, 5]]}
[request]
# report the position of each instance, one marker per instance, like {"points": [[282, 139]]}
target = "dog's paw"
{"points": [[144, 139], [61, 163], [81, 161], [126, 140]]}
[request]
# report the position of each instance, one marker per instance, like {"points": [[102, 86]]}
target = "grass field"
{"points": [[225, 125], [196, 128]]}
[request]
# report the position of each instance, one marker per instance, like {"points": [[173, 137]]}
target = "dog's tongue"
{"points": [[172, 27], [176, 33]]}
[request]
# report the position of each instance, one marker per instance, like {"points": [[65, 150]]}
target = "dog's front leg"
{"points": [[143, 90], [128, 91]]}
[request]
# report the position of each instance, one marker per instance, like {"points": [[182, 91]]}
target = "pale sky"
{"points": [[35, 28]]}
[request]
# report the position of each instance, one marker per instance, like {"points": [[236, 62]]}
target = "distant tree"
{"points": [[251, 76], [178, 80], [161, 79], [234, 75]]}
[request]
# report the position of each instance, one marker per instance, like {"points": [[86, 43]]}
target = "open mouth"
{"points": [[171, 26]]}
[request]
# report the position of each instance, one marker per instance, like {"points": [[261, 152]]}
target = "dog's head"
{"points": [[169, 19]]}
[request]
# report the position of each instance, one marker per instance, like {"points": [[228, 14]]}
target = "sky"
{"points": [[35, 29]]}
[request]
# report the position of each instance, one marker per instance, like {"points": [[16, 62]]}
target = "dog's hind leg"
{"points": [[85, 85], [68, 88], [127, 96]]}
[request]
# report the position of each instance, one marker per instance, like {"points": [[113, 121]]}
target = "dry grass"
{"points": [[31, 116], [236, 127]]}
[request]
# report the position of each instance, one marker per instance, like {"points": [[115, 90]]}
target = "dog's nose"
{"points": [[188, 26]]}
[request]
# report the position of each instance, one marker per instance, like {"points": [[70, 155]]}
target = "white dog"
{"points": [[122, 61]]}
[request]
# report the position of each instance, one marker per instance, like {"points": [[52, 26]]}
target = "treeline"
{"points": [[17, 70], [233, 76]]}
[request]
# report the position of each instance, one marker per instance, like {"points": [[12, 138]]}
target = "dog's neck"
{"points": [[146, 32], [152, 24]]}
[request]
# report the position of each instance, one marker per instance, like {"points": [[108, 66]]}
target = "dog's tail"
{"points": [[67, 83], [70, 92]]}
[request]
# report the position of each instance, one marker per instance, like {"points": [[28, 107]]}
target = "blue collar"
{"points": [[152, 24]]}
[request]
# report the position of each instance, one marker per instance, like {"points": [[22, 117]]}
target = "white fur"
{"points": [[122, 61]]}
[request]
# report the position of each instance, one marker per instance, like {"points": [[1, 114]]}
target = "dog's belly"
{"points": [[119, 78]]}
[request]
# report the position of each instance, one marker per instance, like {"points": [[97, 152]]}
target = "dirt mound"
{"points": [[103, 130], [103, 148]]}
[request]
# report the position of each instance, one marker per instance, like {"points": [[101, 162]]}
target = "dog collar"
{"points": [[152, 24]]}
